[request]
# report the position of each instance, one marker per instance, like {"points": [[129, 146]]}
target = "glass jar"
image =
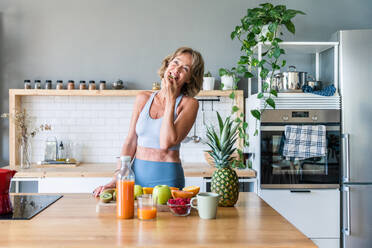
{"points": [[155, 86], [48, 84], [59, 85], [125, 190], [102, 85], [82, 85], [27, 84], [37, 84], [71, 85], [92, 85]]}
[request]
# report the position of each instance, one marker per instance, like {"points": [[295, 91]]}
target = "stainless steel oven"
{"points": [[317, 172]]}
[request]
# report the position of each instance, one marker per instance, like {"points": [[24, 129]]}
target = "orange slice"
{"points": [[193, 189], [181, 194], [173, 188], [147, 190]]}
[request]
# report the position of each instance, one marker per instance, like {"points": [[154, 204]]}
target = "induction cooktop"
{"points": [[27, 206]]}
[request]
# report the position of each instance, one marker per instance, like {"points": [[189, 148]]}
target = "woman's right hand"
{"points": [[99, 189]]}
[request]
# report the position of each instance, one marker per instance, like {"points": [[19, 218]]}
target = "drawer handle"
{"points": [[300, 191]]}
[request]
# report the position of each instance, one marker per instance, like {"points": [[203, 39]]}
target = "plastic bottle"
{"points": [[125, 190]]}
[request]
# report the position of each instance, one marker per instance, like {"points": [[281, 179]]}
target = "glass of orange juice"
{"points": [[146, 207]]}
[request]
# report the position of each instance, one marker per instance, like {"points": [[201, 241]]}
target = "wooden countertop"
{"points": [[107, 170], [72, 221]]}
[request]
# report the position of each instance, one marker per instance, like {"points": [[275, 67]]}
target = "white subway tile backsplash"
{"points": [[97, 126]]}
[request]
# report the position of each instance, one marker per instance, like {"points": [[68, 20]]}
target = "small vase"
{"points": [[25, 154]]}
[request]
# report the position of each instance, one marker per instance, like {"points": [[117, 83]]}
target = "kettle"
{"points": [[5, 178]]}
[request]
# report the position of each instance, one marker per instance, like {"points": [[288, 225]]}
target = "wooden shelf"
{"points": [[33, 92], [107, 170]]}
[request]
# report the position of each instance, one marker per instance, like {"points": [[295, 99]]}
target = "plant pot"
{"points": [[208, 83], [228, 82]]}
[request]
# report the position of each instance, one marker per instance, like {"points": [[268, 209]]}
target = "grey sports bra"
{"points": [[148, 129]]}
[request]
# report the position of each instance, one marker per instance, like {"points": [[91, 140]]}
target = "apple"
{"points": [[163, 193], [137, 191]]}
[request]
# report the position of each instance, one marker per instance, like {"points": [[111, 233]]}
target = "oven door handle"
{"points": [[282, 128]]}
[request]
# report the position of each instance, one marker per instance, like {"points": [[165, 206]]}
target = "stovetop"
{"points": [[27, 206]]}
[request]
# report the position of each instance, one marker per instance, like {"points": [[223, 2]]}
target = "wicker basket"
{"points": [[210, 160]]}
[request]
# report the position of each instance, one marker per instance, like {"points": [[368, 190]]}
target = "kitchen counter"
{"points": [[107, 170], [73, 222]]}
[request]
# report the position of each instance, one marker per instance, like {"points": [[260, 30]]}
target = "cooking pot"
{"points": [[315, 85], [278, 82], [293, 79], [5, 178]]}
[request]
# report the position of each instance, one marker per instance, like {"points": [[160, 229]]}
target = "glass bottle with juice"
{"points": [[125, 190]]}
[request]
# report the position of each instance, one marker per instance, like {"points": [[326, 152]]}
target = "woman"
{"points": [[161, 120]]}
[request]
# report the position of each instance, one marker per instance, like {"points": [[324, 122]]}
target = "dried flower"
{"points": [[23, 121]]}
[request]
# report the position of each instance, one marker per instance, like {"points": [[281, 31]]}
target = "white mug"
{"points": [[207, 205]]}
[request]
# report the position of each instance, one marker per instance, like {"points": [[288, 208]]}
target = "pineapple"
{"points": [[224, 180]]}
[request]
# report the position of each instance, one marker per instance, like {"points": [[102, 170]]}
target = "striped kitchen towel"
{"points": [[304, 141]]}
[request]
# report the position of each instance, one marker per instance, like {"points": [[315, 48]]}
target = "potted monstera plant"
{"points": [[266, 24]]}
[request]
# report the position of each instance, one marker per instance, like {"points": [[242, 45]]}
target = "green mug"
{"points": [[207, 205]]}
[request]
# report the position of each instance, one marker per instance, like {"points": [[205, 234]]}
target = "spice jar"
{"points": [[82, 85], [92, 85], [37, 84], [48, 84], [59, 85], [71, 85], [27, 84], [102, 85], [156, 86]]}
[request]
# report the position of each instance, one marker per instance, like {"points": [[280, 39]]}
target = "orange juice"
{"points": [[146, 213], [125, 199]]}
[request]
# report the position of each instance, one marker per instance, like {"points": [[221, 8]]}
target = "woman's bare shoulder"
{"points": [[143, 96], [189, 102]]}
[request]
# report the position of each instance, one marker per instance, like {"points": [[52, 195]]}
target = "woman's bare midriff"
{"points": [[153, 154]]}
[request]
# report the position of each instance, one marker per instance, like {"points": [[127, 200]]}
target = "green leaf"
{"points": [[222, 72], [241, 69], [235, 108], [273, 92], [222, 85], [232, 95], [265, 86], [260, 95], [276, 53], [264, 73], [256, 29], [256, 114], [290, 26], [270, 102], [262, 62], [247, 74], [284, 62], [254, 62], [243, 60], [245, 125], [255, 132], [273, 27], [232, 35]]}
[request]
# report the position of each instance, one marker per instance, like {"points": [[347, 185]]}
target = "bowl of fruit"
{"points": [[179, 206]]}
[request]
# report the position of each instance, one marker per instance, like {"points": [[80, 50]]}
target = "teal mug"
{"points": [[207, 205]]}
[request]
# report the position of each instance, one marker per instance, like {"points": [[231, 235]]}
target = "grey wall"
{"points": [[110, 39]]}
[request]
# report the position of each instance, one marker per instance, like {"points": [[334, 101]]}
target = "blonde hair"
{"points": [[197, 70]]}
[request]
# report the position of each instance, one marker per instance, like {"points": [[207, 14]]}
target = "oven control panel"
{"points": [[301, 116]]}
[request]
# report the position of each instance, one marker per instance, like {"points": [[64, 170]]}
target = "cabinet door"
{"points": [[71, 184], [195, 181], [316, 213]]}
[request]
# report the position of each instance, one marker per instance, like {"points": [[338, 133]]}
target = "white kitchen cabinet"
{"points": [[71, 184], [315, 213]]}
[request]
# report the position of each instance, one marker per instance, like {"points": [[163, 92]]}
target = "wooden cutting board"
{"points": [[111, 207]]}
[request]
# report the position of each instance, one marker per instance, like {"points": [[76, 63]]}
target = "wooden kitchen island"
{"points": [[72, 221]]}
